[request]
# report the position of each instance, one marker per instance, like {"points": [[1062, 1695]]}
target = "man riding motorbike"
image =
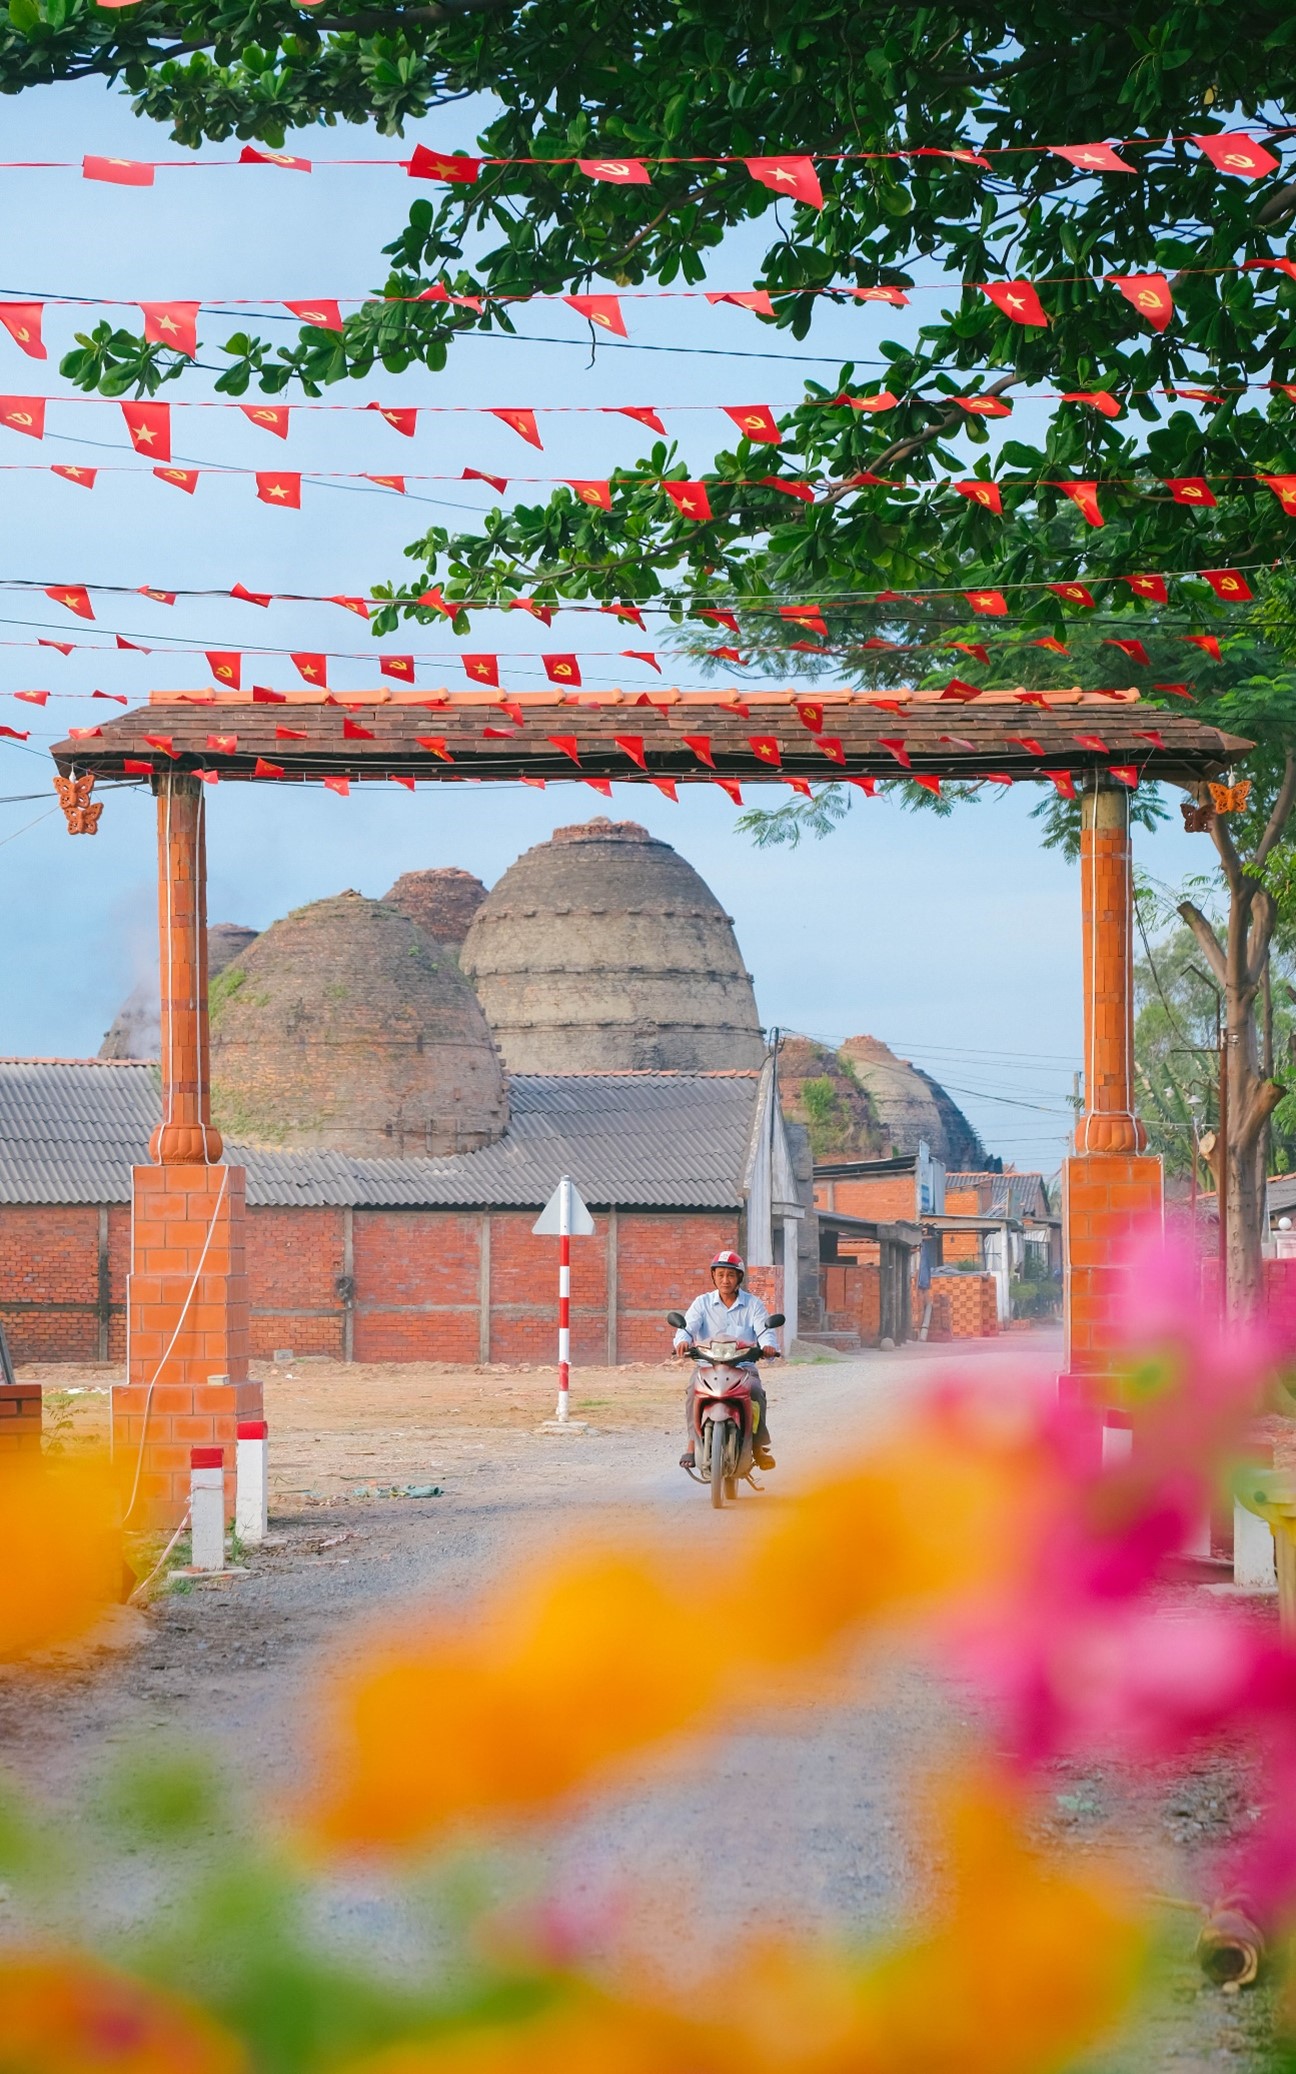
{"points": [[728, 1311]]}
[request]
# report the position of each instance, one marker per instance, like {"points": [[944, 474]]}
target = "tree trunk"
{"points": [[1240, 966]]}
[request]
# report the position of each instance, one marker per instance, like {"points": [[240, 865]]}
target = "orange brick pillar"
{"points": [[1110, 1184], [187, 1305]]}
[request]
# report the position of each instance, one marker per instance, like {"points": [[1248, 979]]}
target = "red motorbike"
{"points": [[720, 1417]]}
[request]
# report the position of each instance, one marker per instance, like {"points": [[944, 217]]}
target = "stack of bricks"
{"points": [[20, 1419], [188, 1308], [973, 1308]]}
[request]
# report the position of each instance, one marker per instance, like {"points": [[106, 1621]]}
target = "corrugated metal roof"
{"points": [[1010, 1194], [71, 1130]]}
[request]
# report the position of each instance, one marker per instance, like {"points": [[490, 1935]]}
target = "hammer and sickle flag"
{"points": [[1238, 155], [225, 667], [755, 421], [1227, 584], [24, 414], [561, 669], [22, 321], [272, 417], [602, 310], [1150, 295], [987, 494], [619, 172]]}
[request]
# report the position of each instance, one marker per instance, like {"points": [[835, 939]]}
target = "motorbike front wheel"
{"points": [[719, 1437]]}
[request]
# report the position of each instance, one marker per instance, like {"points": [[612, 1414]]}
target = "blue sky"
{"points": [[957, 942]]}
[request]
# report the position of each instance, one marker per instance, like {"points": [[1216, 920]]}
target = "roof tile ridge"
{"points": [[17, 1059]]}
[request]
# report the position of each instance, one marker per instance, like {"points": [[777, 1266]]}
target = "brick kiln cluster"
{"points": [[403, 1080]]}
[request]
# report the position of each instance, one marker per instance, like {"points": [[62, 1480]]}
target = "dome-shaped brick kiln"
{"points": [[345, 1028], [442, 902], [602, 950], [909, 1106], [136, 1032]]}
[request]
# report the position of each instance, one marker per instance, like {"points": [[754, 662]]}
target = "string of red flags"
{"points": [[174, 324], [1232, 586], [227, 665], [282, 488], [757, 422], [1236, 153]]}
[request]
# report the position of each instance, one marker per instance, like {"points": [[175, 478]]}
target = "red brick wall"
{"points": [[417, 1277], [49, 1281], [662, 1263], [417, 1282], [962, 1245], [294, 1258]]}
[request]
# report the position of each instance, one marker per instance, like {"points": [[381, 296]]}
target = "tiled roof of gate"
{"points": [[71, 1129]]}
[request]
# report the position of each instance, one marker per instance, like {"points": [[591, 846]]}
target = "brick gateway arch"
{"points": [[187, 1302]]}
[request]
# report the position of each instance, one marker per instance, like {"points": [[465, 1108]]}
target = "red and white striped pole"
{"points": [[564, 1298]]}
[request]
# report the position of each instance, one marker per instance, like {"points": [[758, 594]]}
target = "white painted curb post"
{"points": [[207, 1507], [252, 1481], [1254, 1563]]}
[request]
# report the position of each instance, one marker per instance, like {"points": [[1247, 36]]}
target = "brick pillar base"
{"points": [[177, 1212], [1105, 1198]]}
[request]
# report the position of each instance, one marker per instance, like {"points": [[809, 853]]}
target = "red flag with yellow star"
{"points": [[453, 167], [74, 596], [173, 324], [313, 669], [483, 669], [690, 499], [791, 176], [149, 426], [1017, 300], [281, 489]]}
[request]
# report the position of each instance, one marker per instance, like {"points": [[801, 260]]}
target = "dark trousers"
{"points": [[762, 1433]]}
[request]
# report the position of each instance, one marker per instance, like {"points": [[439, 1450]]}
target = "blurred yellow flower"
{"points": [[603, 1657], [1031, 1964], [611, 1653], [592, 2034], [67, 2014], [60, 1524]]}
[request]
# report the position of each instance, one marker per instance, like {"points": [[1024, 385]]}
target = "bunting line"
{"points": [[283, 487], [1230, 585], [172, 324], [1236, 153]]}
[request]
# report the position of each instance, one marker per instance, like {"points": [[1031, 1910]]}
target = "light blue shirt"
{"points": [[745, 1319]]}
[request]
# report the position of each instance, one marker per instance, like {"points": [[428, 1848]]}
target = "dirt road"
{"points": [[796, 1819]]}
